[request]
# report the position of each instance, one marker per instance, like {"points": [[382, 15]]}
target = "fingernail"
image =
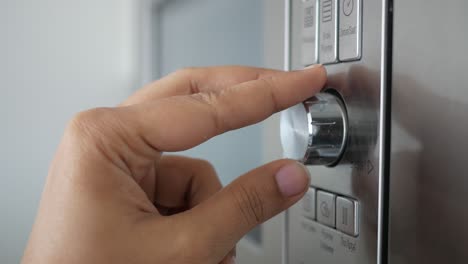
{"points": [[313, 66], [292, 179]]}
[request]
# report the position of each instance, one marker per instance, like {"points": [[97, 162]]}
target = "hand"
{"points": [[111, 196]]}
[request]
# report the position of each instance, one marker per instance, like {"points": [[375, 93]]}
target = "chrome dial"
{"points": [[315, 131]]}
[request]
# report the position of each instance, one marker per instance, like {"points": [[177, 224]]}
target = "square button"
{"points": [[308, 204], [326, 208], [347, 216]]}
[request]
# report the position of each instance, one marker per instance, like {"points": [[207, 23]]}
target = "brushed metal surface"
{"points": [[359, 173], [429, 149]]}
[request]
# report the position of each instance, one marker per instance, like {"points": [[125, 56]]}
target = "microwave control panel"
{"points": [[339, 133]]}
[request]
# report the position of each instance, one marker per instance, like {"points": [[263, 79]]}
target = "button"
{"points": [[328, 50], [350, 30], [347, 216], [326, 208], [309, 32], [308, 204]]}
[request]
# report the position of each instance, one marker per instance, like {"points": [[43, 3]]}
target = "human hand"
{"points": [[111, 195]]}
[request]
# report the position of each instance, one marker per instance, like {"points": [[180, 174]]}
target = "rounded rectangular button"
{"points": [[350, 30], [326, 208], [328, 41], [308, 204], [309, 32], [347, 216]]}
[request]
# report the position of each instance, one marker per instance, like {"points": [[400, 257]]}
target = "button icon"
{"points": [[327, 10], [324, 209], [309, 16], [344, 216], [370, 167], [348, 7]]}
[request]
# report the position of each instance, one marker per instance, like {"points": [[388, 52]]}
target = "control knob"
{"points": [[315, 131]]}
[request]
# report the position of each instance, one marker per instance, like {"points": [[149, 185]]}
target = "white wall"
{"points": [[57, 57]]}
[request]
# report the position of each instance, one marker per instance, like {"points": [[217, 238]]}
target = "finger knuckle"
{"points": [[91, 124], [250, 204], [270, 83], [211, 101], [205, 180], [208, 98], [205, 165]]}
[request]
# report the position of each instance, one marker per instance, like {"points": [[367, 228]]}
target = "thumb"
{"points": [[249, 201]]}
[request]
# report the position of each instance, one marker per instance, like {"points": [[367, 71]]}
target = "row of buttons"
{"points": [[327, 23], [331, 210]]}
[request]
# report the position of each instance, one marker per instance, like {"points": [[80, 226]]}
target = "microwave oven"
{"points": [[386, 140]]}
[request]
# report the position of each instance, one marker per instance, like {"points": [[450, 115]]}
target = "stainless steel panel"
{"points": [[328, 31], [359, 173], [349, 40], [429, 148], [309, 32]]}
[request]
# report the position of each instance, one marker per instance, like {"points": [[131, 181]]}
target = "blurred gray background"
{"points": [[58, 57], [214, 32]]}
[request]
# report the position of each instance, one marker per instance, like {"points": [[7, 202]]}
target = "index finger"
{"points": [[197, 80], [182, 122]]}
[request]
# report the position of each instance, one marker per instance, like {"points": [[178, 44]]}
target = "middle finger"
{"points": [[181, 183]]}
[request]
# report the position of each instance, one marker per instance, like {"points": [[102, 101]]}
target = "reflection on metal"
{"points": [[315, 131], [428, 213]]}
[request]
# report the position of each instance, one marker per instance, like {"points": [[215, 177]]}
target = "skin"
{"points": [[111, 196]]}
